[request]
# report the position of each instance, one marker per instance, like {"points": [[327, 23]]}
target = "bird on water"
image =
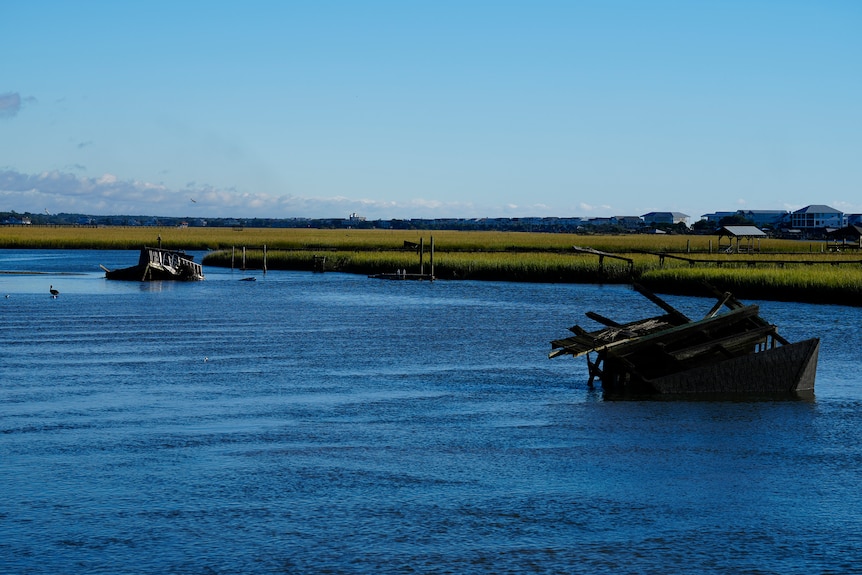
{"points": [[54, 293]]}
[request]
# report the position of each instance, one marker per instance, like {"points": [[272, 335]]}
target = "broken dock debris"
{"points": [[735, 352], [403, 274]]}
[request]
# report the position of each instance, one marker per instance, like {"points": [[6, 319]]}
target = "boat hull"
{"points": [[729, 354], [785, 370], [156, 264], [788, 369]]}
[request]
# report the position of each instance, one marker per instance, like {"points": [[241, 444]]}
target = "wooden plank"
{"points": [[687, 330], [721, 302], [732, 303], [661, 303], [735, 340], [602, 319]]}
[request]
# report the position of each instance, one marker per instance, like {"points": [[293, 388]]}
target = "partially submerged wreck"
{"points": [[159, 264], [736, 352]]}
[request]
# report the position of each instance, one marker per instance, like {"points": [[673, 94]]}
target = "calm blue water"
{"points": [[331, 423]]}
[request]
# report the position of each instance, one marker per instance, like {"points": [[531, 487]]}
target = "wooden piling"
{"points": [[432, 257]]}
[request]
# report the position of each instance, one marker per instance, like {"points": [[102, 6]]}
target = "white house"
{"points": [[817, 216]]}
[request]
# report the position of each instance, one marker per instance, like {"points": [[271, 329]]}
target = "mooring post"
{"points": [[421, 256], [243, 258], [232, 255], [432, 257], [264, 259]]}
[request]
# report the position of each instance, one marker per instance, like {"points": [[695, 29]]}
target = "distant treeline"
{"points": [[548, 225]]}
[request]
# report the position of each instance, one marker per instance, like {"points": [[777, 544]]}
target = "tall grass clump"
{"points": [[496, 266], [808, 283]]}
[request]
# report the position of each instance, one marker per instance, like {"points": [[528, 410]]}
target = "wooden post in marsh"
{"points": [[243, 258], [319, 264], [232, 255], [421, 256], [264, 259], [432, 257]]}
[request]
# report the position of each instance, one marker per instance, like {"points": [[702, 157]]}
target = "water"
{"points": [[331, 423]]}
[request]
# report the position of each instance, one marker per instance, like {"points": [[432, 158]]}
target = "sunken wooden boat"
{"points": [[733, 352], [156, 264]]}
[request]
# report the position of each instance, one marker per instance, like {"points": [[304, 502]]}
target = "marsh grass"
{"points": [[783, 269], [198, 238], [485, 265], [819, 283]]}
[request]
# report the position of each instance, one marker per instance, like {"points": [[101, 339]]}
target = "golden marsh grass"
{"points": [[783, 269]]}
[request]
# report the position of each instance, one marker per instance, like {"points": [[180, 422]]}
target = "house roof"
{"points": [[847, 232], [674, 214], [742, 232], [817, 209]]}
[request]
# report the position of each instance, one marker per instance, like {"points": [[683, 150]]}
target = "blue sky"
{"points": [[414, 109]]}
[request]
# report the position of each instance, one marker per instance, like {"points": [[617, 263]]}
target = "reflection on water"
{"points": [[312, 423]]}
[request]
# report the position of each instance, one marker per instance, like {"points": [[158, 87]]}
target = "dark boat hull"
{"points": [[156, 264], [788, 369], [728, 354]]}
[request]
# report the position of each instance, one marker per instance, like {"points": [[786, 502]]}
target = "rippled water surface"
{"points": [[333, 423]]}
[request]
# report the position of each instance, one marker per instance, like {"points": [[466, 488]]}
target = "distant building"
{"points": [[602, 221], [630, 222], [665, 218], [764, 218], [817, 217], [716, 217], [15, 221]]}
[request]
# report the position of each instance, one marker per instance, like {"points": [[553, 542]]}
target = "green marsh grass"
{"points": [[783, 269], [817, 283]]}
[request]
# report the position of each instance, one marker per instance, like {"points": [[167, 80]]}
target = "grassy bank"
{"points": [[782, 270], [787, 277], [824, 284], [195, 238]]}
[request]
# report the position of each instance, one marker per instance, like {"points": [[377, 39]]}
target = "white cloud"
{"points": [[109, 195], [591, 208]]}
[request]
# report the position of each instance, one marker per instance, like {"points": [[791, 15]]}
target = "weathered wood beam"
{"points": [[733, 341], [661, 303], [602, 319], [719, 304]]}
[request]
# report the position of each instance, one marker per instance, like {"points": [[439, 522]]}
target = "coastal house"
{"points": [[764, 218], [716, 217], [816, 217], [671, 218], [630, 222]]}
